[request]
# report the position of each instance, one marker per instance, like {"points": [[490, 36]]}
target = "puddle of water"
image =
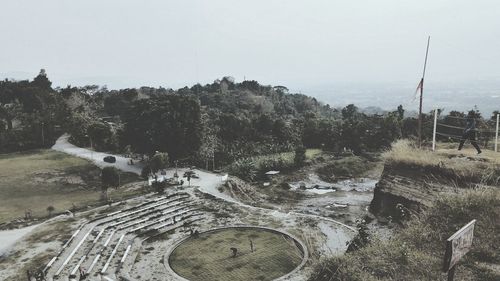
{"points": [[344, 200], [336, 238]]}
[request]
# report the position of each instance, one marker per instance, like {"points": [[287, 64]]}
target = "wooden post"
{"points": [[434, 131], [496, 135]]}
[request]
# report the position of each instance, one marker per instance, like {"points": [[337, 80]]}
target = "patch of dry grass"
{"points": [[41, 178], [463, 163], [417, 251]]}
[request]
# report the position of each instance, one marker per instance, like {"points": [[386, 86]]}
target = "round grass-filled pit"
{"points": [[211, 255]]}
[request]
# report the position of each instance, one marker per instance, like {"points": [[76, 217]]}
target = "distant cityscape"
{"points": [[462, 97]]}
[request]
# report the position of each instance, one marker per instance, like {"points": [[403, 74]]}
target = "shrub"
{"points": [[300, 156], [244, 169]]}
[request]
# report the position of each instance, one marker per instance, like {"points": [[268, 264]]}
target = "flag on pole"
{"points": [[418, 90]]}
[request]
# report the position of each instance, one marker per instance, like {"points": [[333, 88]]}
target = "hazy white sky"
{"points": [[124, 43]]}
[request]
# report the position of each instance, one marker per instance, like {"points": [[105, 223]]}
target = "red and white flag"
{"points": [[419, 89]]}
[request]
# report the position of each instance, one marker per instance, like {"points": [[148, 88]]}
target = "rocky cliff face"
{"points": [[405, 188]]}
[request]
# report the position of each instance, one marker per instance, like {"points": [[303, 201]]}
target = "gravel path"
{"points": [[63, 145]]}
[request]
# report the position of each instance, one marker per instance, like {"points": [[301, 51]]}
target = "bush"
{"points": [[145, 172], [300, 156], [274, 163], [159, 186], [244, 169], [110, 177]]}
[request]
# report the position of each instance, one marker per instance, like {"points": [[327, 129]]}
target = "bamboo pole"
{"points": [[422, 96]]}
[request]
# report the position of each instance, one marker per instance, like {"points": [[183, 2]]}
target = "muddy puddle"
{"points": [[315, 185]]}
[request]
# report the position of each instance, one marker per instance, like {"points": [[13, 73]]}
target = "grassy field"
{"points": [[41, 178], [209, 257]]}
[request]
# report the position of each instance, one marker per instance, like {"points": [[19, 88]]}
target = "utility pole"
{"points": [[421, 96]]}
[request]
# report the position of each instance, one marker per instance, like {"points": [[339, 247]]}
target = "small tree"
{"points": [[158, 161], [145, 172], [109, 178], [189, 175], [50, 209], [300, 156]]}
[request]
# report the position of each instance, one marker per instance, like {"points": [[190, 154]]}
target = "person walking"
{"points": [[470, 134]]}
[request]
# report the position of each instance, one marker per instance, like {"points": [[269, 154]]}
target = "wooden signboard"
{"points": [[457, 246]]}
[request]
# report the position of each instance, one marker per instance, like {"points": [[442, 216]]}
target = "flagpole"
{"points": [[421, 96]]}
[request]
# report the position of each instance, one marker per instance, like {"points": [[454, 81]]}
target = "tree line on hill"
{"points": [[201, 125]]}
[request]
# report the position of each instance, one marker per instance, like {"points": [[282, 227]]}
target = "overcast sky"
{"points": [[300, 44]]}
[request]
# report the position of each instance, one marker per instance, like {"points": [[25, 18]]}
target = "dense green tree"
{"points": [[354, 128], [41, 81], [209, 140], [110, 177], [244, 169], [100, 135], [300, 156], [119, 102], [50, 209], [158, 162], [169, 123], [31, 112]]}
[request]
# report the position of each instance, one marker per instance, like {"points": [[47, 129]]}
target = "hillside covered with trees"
{"points": [[214, 123]]}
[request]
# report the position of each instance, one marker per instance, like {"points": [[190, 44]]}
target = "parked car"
{"points": [[109, 159]]}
